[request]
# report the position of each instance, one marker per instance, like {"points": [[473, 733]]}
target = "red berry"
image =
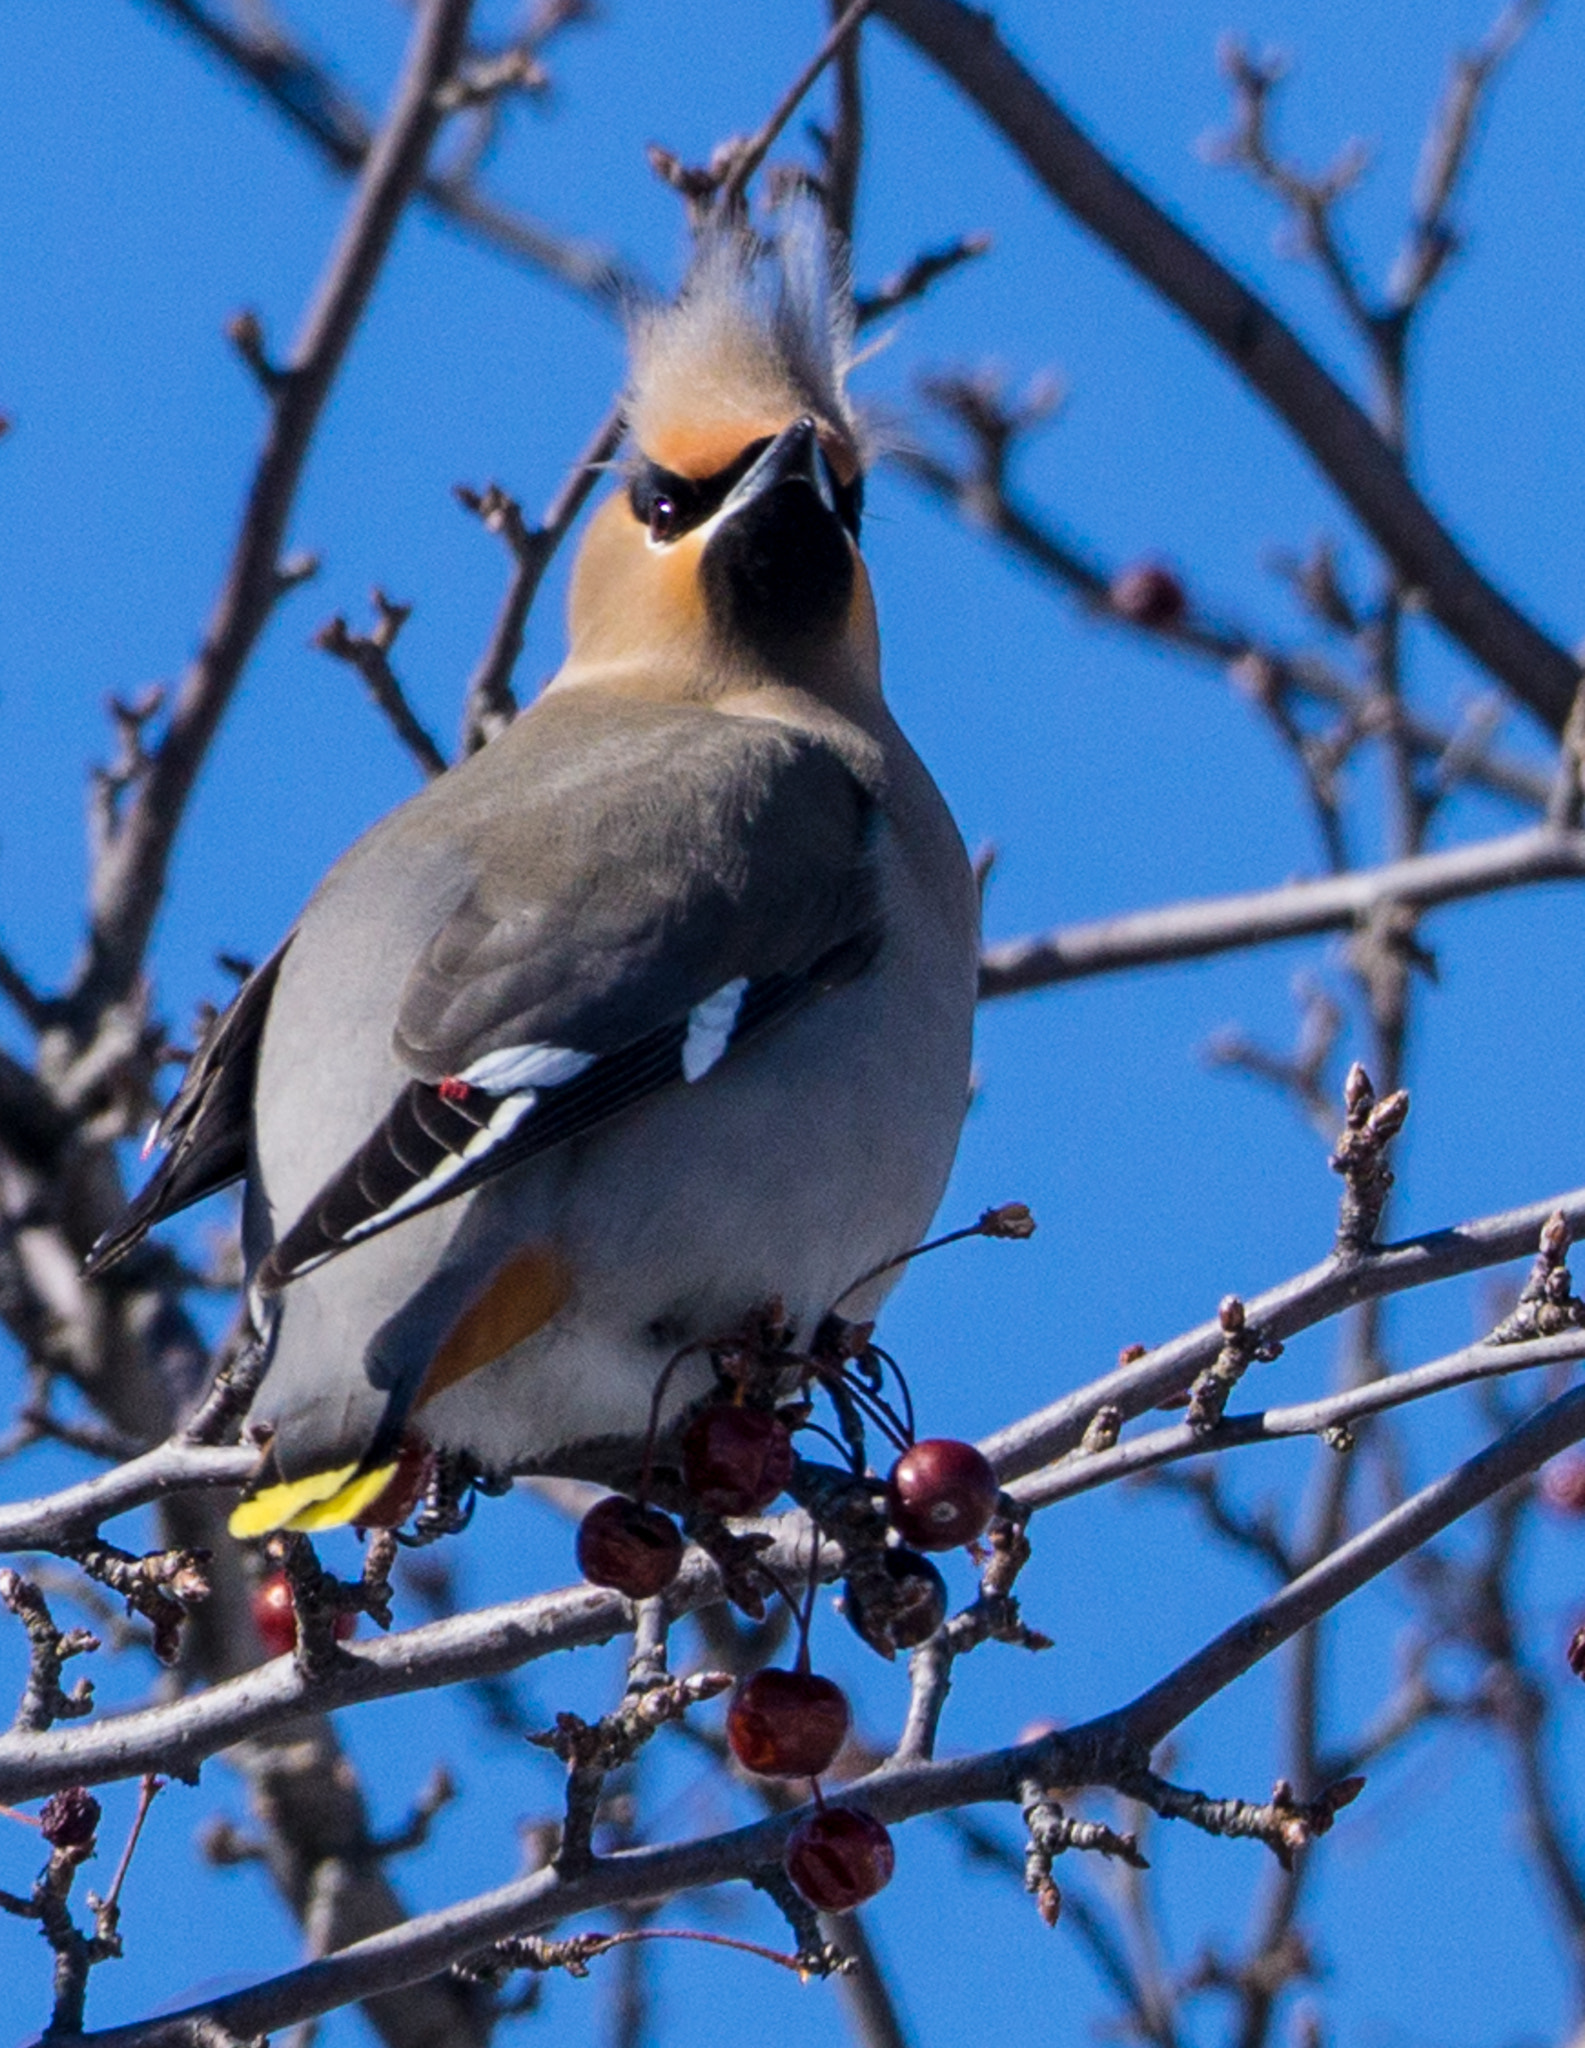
{"points": [[276, 1620], [941, 1494], [415, 1466], [839, 1857], [736, 1460], [1148, 594], [1563, 1484], [787, 1724], [902, 1611], [632, 1549]]}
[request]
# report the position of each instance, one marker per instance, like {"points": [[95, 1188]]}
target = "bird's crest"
{"points": [[760, 332]]}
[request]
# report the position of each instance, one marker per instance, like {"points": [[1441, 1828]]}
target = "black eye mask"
{"points": [[671, 505]]}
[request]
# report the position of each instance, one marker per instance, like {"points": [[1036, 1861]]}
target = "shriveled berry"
{"points": [[1563, 1484], [787, 1724], [736, 1460], [901, 1610], [70, 1818], [1148, 594], [632, 1549], [391, 1506], [839, 1857], [276, 1620], [941, 1494]]}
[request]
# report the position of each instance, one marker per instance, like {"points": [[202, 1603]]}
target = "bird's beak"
{"points": [[793, 457]]}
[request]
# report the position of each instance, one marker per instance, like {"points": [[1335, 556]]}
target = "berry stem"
{"points": [[985, 1226], [646, 1470]]}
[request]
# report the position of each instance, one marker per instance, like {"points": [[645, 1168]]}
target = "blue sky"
{"points": [[144, 199]]}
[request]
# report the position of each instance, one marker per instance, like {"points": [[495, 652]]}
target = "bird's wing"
{"points": [[204, 1128], [671, 891]]}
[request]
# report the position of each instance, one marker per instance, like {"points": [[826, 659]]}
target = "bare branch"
{"points": [[1311, 198], [1432, 238], [1281, 1312], [306, 96], [1271, 677], [1111, 1750], [1330, 1418], [129, 878], [1222, 924], [370, 655], [964, 44], [77, 1511], [178, 1735], [748, 156], [44, 1699], [1315, 1592], [916, 278], [490, 704]]}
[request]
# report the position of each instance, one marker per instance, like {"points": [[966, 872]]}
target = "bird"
{"points": [[653, 1011]]}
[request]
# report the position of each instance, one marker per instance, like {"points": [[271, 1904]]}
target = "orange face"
{"points": [[646, 610]]}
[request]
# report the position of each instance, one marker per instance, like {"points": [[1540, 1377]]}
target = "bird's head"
{"points": [[730, 560]]}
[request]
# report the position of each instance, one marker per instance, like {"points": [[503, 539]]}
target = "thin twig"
{"points": [[748, 156], [490, 704], [370, 655]]}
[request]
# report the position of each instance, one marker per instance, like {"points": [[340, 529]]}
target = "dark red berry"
{"points": [[1148, 594], [941, 1494], [70, 1818], [787, 1724], [736, 1460], [901, 1609], [839, 1857], [1563, 1484], [632, 1549], [415, 1467], [276, 1620]]}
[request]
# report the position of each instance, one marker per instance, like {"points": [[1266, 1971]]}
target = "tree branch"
{"points": [[1112, 1750], [1082, 1472], [129, 878], [1263, 672], [965, 46], [490, 703], [305, 95], [1281, 1312], [1224, 924]]}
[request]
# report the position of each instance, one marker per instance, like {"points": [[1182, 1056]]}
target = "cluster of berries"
{"points": [[735, 1459], [940, 1495]]}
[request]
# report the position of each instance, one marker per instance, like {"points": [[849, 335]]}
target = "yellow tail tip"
{"points": [[324, 1500]]}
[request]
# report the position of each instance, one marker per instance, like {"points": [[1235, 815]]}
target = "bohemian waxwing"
{"points": [[654, 1011]]}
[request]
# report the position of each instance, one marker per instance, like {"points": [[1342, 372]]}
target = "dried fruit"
{"points": [[632, 1549], [1563, 1484], [736, 1460], [1148, 594], [70, 1818], [839, 1857], [941, 1494], [900, 1611], [276, 1619], [787, 1724]]}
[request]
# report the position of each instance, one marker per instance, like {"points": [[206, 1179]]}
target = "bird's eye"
{"points": [[663, 518]]}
